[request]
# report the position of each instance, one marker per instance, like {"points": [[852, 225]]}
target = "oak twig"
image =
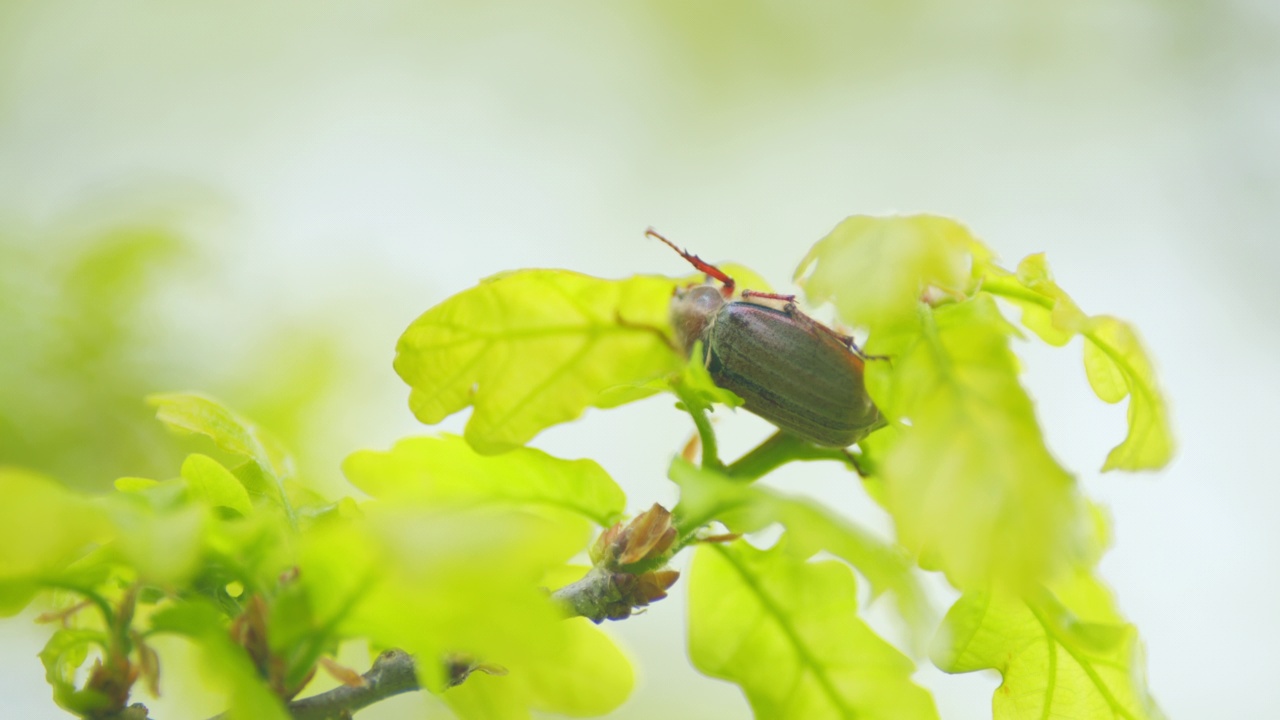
{"points": [[393, 673]]}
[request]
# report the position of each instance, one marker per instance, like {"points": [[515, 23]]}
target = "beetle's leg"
{"points": [[794, 311], [768, 296], [698, 263], [858, 350], [845, 340], [848, 341]]}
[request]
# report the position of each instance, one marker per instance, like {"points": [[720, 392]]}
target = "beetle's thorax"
{"points": [[693, 310]]}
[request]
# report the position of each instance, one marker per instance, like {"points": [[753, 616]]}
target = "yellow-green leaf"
{"points": [[969, 481], [214, 485], [62, 657], [787, 632], [43, 528], [228, 665], [445, 470], [876, 269], [485, 697], [439, 581], [695, 387], [196, 414], [135, 484], [534, 348], [191, 413], [163, 545], [1115, 361], [583, 675], [1105, 378], [1113, 350], [1068, 656], [1065, 318], [707, 495], [888, 568]]}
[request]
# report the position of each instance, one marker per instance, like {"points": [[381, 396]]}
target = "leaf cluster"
{"points": [[462, 550], [265, 577]]}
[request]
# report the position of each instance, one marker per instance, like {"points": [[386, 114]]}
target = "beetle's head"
{"points": [[692, 311]]}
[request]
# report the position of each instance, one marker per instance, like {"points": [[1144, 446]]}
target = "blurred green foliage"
{"points": [[87, 331], [78, 351]]}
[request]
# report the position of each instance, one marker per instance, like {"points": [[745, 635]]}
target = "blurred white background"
{"points": [[346, 165]]}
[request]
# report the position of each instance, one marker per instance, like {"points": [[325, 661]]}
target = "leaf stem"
{"points": [[108, 614], [1002, 287], [780, 449], [697, 410]]}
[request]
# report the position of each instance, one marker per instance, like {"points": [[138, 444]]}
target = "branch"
{"points": [[393, 673], [628, 569], [604, 594], [136, 711]]}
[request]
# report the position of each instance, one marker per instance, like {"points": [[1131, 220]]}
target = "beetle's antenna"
{"points": [[697, 262]]}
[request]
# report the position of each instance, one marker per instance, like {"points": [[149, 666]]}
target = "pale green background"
{"points": [[343, 166]]}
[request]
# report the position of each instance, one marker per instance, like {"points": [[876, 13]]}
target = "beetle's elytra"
{"points": [[788, 368]]}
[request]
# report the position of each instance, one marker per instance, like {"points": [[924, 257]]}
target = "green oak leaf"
{"points": [[439, 581], [135, 484], [162, 545], [227, 665], [876, 269], [888, 568], [787, 632], [585, 675], [695, 388], [485, 697], [1113, 352], [534, 348], [191, 413], [1069, 655], [707, 495], [445, 470], [213, 484], [968, 479], [62, 657], [43, 528], [1115, 360]]}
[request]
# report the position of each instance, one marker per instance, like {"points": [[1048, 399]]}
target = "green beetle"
{"points": [[788, 368]]}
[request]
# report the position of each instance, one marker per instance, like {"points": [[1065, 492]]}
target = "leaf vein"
{"points": [[802, 650]]}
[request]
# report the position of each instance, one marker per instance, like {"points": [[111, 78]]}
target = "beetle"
{"points": [[788, 368]]}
